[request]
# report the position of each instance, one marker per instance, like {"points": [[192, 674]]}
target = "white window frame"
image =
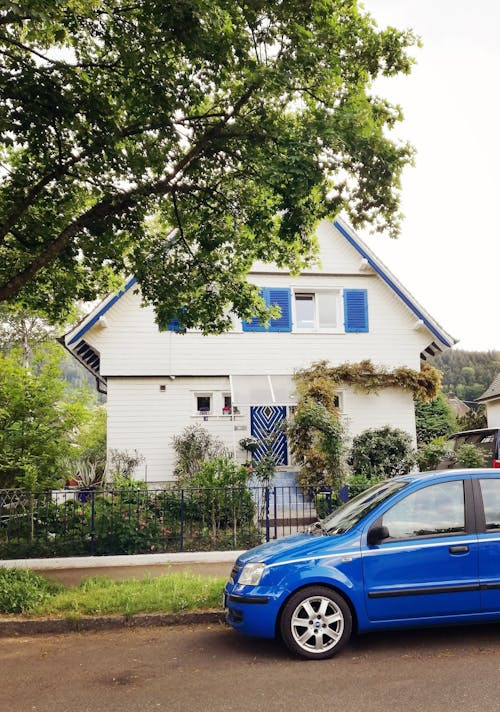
{"points": [[203, 394], [317, 328]]}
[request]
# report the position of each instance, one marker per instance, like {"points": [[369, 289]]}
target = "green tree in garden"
{"points": [[473, 419], [434, 419], [181, 141], [38, 419]]}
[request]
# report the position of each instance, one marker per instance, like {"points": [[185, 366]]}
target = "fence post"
{"points": [[275, 513], [182, 522], [329, 500], [266, 499], [92, 523]]}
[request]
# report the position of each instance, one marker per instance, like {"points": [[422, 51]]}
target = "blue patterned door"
{"points": [[265, 421]]}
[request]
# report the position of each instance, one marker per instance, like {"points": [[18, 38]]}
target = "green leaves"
{"points": [[37, 419], [237, 125]]}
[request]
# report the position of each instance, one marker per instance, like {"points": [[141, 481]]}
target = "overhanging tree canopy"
{"points": [[183, 140]]}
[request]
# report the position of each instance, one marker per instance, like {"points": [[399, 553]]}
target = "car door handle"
{"points": [[462, 549]]}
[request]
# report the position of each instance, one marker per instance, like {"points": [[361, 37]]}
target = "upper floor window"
{"points": [[334, 310], [317, 310]]}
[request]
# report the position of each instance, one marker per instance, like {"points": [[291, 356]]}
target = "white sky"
{"points": [[447, 254]]}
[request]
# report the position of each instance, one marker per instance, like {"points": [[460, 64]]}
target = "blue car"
{"points": [[417, 550]]}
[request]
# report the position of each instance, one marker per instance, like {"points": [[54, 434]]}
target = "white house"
{"points": [[491, 399], [240, 383]]}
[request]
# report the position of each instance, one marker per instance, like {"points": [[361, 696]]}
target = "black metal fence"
{"points": [[99, 522]]}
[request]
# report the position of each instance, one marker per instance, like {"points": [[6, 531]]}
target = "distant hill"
{"points": [[467, 374]]}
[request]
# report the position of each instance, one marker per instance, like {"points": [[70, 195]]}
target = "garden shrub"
{"points": [[382, 452], [316, 434], [22, 590], [469, 456], [325, 503], [430, 455], [193, 447]]}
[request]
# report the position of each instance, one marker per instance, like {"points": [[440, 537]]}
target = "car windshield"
{"points": [[351, 513]]}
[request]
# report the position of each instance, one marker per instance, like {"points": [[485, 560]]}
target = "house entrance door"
{"points": [[265, 422]]}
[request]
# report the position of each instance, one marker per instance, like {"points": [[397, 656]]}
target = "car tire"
{"points": [[316, 623]]}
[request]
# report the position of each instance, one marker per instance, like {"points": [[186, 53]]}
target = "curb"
{"points": [[11, 627]]}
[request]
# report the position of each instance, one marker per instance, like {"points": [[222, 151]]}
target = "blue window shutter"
{"points": [[272, 297], [174, 325], [356, 309], [282, 299], [254, 324]]}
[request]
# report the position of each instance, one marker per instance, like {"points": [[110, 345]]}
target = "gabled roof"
{"points": [[75, 342], [492, 392], [442, 337]]}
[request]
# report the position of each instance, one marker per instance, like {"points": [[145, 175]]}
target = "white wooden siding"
{"points": [[493, 413], [142, 417], [133, 345], [390, 406]]}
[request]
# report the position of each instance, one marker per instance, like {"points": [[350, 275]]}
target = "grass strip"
{"points": [[171, 593]]}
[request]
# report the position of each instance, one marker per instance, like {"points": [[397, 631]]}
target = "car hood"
{"points": [[300, 545]]}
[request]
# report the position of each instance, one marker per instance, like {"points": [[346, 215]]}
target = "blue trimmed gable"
{"points": [[102, 311], [391, 282]]}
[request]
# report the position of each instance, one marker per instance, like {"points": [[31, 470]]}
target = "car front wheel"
{"points": [[316, 623]]}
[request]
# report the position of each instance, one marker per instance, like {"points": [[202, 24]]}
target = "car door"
{"points": [[489, 541], [428, 564]]}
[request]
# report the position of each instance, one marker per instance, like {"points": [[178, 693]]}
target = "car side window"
{"points": [[490, 490], [432, 511]]}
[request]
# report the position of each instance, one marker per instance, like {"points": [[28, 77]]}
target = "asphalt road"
{"points": [[213, 669]]}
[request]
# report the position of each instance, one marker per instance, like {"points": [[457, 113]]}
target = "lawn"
{"points": [[31, 594]]}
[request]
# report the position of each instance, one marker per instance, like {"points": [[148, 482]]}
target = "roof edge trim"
{"points": [[391, 282], [107, 305]]}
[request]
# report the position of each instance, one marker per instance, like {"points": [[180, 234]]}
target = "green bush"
{"points": [[434, 419], [470, 456], [194, 446], [382, 452], [430, 454], [21, 590]]}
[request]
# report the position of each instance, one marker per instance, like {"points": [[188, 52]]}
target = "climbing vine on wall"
{"points": [[423, 384], [316, 434]]}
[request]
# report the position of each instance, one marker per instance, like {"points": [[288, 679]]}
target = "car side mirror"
{"points": [[376, 535]]}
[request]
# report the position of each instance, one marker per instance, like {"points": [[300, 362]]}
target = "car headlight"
{"points": [[251, 574]]}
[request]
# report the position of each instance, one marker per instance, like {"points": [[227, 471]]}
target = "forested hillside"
{"points": [[467, 374]]}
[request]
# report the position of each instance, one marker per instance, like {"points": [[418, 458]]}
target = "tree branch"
{"points": [[119, 203], [58, 172]]}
